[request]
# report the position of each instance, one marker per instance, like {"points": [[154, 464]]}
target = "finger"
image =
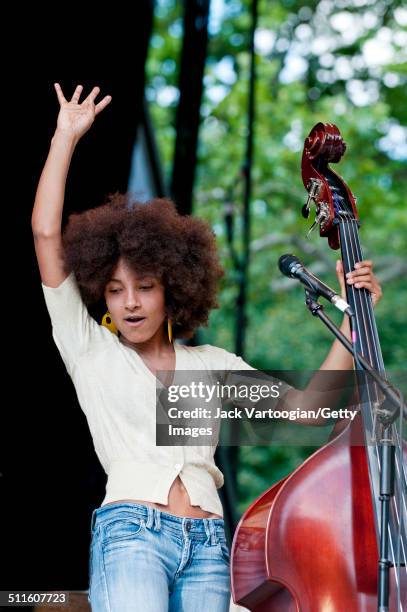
{"points": [[364, 263], [339, 270], [92, 95], [340, 277], [358, 279], [360, 272], [76, 94], [375, 293], [60, 95], [102, 104], [342, 283], [364, 285]]}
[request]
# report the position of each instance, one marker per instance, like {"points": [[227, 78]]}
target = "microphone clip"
{"points": [[311, 301]]}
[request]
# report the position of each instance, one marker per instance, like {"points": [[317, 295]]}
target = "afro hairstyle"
{"points": [[152, 238]]}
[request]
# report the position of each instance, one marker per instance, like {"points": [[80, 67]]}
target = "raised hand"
{"points": [[75, 118], [362, 276]]}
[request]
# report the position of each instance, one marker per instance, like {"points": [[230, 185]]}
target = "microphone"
{"points": [[291, 266]]}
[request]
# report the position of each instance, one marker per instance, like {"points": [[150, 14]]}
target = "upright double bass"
{"points": [[310, 543]]}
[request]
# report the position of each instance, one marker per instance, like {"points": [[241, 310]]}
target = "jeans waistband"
{"points": [[213, 529]]}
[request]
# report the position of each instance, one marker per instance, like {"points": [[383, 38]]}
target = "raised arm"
{"points": [[73, 122]]}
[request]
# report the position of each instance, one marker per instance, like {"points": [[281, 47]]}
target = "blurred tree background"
{"points": [[338, 61]]}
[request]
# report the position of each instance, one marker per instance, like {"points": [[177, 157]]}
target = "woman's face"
{"points": [[128, 296]]}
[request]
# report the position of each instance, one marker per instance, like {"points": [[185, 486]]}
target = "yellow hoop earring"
{"points": [[169, 329], [107, 321]]}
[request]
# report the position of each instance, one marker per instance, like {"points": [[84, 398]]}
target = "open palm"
{"points": [[74, 117]]}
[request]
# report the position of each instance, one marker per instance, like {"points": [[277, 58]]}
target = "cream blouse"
{"points": [[117, 393]]}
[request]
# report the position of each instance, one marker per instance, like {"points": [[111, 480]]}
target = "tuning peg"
{"points": [[321, 217], [314, 188], [305, 210]]}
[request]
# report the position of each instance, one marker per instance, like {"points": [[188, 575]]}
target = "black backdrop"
{"points": [[50, 477]]}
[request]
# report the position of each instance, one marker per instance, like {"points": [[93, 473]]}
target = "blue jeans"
{"points": [[145, 560]]}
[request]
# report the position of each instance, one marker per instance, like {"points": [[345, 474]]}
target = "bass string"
{"points": [[368, 305], [359, 323], [363, 337], [359, 344], [344, 212], [362, 303], [350, 257], [398, 502], [374, 328], [363, 310]]}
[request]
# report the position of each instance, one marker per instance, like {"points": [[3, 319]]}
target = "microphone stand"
{"points": [[386, 416]]}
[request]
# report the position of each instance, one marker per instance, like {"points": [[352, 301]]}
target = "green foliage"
{"points": [[349, 57]]}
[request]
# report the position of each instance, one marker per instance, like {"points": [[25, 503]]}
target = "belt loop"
{"points": [[157, 522], [212, 532], [207, 530], [150, 517]]}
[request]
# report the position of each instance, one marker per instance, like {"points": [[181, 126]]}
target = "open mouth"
{"points": [[134, 321]]}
